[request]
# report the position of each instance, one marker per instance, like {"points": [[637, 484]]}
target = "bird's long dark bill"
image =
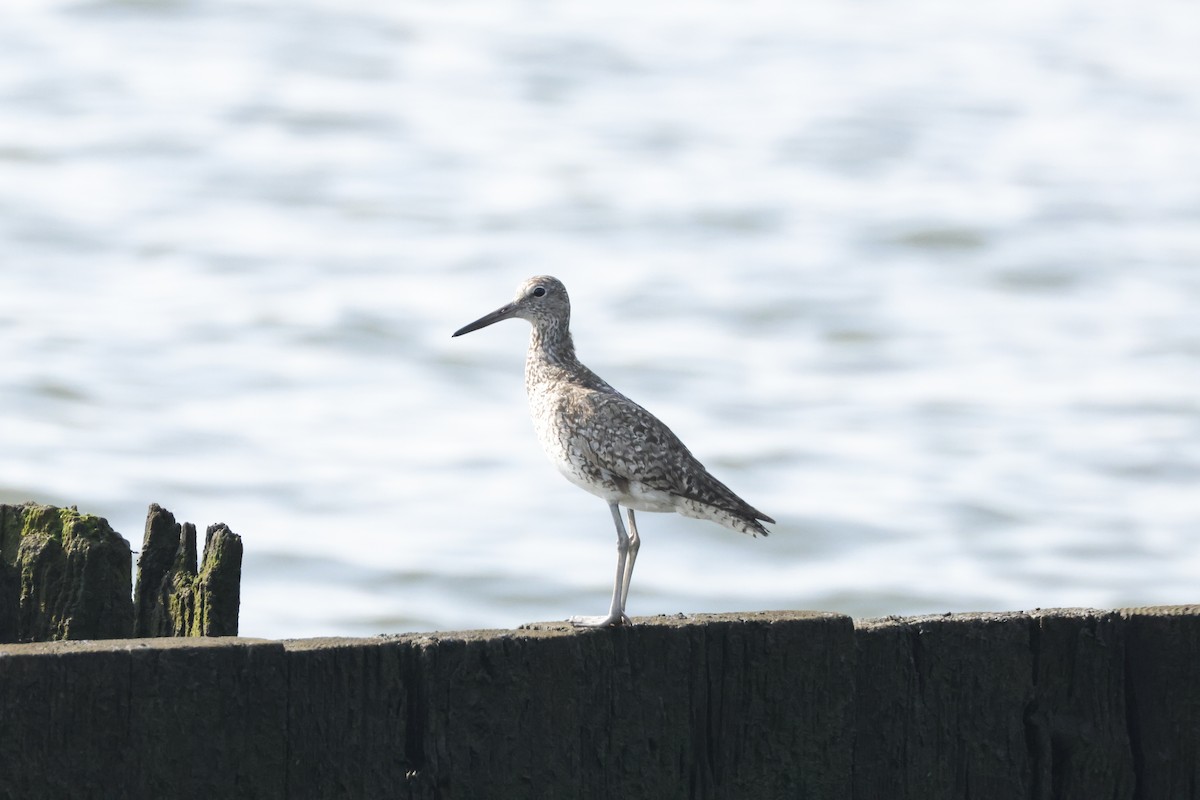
{"points": [[484, 321]]}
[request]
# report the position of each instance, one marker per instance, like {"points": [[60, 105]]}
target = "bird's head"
{"points": [[542, 300]]}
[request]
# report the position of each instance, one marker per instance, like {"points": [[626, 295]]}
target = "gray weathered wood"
{"points": [[1163, 647], [10, 593], [941, 704], [172, 597], [1076, 727], [72, 572], [219, 582], [1052, 704], [66, 575], [179, 718], [752, 705], [161, 545]]}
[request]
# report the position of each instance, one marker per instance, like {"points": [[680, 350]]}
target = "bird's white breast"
{"points": [[566, 443]]}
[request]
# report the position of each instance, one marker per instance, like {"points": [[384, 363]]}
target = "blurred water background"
{"points": [[919, 279]]}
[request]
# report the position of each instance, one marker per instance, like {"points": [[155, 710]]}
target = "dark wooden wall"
{"points": [[1053, 704]]}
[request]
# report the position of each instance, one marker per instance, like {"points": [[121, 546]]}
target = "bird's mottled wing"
{"points": [[629, 442]]}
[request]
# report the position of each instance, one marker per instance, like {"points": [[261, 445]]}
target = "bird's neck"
{"points": [[551, 361], [551, 343], [551, 357]]}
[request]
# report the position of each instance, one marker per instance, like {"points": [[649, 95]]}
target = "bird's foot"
{"points": [[611, 621]]}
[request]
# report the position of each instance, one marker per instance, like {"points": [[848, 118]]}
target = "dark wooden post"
{"points": [[754, 705], [941, 704], [1163, 647], [72, 573], [1070, 704], [67, 575], [1076, 727], [172, 597], [10, 582]]}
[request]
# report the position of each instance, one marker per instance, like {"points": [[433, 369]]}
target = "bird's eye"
{"points": [[539, 291]]}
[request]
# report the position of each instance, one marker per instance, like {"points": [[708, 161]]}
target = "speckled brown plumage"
{"points": [[604, 442]]}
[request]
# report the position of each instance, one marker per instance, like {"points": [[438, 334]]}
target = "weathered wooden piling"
{"points": [[1017, 705], [1049, 704], [71, 572], [1163, 700], [173, 597], [67, 575]]}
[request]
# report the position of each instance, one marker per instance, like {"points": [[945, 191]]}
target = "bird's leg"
{"points": [[635, 542], [616, 610]]}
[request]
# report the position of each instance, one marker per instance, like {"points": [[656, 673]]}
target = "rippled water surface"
{"points": [[919, 280]]}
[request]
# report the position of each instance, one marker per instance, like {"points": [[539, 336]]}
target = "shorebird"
{"points": [[603, 442]]}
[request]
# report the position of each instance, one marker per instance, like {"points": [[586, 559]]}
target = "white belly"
{"points": [[631, 494], [570, 456]]}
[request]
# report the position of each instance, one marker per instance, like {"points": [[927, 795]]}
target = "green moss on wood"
{"points": [[220, 582], [73, 573], [66, 575], [176, 599]]}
